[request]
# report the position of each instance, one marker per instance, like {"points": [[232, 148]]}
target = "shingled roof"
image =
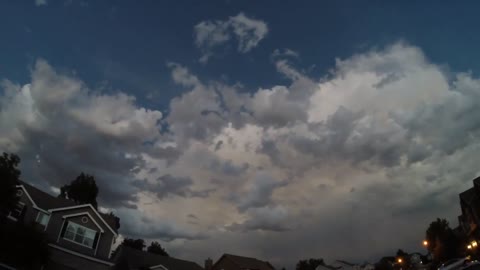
{"points": [[248, 263], [46, 201], [129, 258]]}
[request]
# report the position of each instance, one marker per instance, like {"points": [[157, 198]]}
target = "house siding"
{"points": [[30, 213], [61, 260], [104, 241]]}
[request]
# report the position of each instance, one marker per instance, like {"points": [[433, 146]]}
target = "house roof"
{"points": [[130, 258], [247, 262], [46, 201], [469, 195]]}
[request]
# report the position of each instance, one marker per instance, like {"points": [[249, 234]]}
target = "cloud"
{"points": [[263, 219], [137, 225], [41, 3], [253, 164], [69, 128], [259, 191], [210, 35]]}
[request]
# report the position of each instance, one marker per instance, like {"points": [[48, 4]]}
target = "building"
{"points": [[234, 262], [79, 236], [131, 259], [470, 217]]}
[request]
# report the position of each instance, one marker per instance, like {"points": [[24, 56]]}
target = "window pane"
{"points": [[78, 238], [90, 234], [68, 235], [80, 230], [80, 234], [88, 242], [42, 218], [71, 227]]}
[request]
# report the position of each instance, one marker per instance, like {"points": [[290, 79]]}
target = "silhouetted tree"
{"points": [[156, 248], [23, 246], [9, 176], [443, 243], [309, 264], [117, 220], [82, 190], [134, 243]]}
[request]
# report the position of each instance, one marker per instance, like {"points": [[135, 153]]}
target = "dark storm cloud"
{"points": [[77, 130], [167, 185]]}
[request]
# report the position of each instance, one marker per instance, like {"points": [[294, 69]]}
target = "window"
{"points": [[43, 218], [17, 211], [79, 234]]}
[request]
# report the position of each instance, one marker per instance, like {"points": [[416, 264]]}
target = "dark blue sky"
{"points": [[127, 43], [332, 159]]}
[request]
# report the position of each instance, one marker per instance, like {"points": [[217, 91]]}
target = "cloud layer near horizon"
{"points": [[364, 156]]}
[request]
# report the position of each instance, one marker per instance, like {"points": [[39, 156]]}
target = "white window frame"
{"points": [[74, 234], [10, 213], [44, 214]]}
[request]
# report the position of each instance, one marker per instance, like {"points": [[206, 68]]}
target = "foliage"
{"points": [[82, 190], [443, 243], [117, 220], [9, 176], [309, 264], [156, 248], [134, 243]]}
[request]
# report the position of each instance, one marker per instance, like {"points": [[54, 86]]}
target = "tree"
{"points": [[134, 243], [443, 243], [117, 220], [9, 176], [82, 190], [156, 248], [23, 246], [310, 264]]}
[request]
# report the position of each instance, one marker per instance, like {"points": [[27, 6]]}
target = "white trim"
{"points": [[81, 255], [41, 210], [111, 248], [158, 266], [28, 195], [60, 232], [46, 225], [7, 267], [81, 206], [98, 242], [10, 213], [31, 200], [81, 214], [80, 244]]}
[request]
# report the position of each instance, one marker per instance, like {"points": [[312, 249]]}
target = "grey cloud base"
{"points": [[324, 163]]}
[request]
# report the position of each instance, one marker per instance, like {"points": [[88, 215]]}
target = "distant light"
{"points": [[469, 246], [474, 243], [425, 242], [400, 260]]}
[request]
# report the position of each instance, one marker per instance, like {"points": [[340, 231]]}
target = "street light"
{"points": [[474, 243], [425, 243], [469, 246], [400, 260]]}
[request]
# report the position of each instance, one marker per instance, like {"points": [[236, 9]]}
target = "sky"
{"points": [[281, 130]]}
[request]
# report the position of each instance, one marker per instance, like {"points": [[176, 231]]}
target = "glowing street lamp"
{"points": [[469, 246], [474, 243], [425, 243], [400, 260]]}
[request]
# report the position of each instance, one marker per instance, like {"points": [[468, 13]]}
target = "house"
{"points": [[128, 258], [470, 204], [79, 236], [234, 262]]}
